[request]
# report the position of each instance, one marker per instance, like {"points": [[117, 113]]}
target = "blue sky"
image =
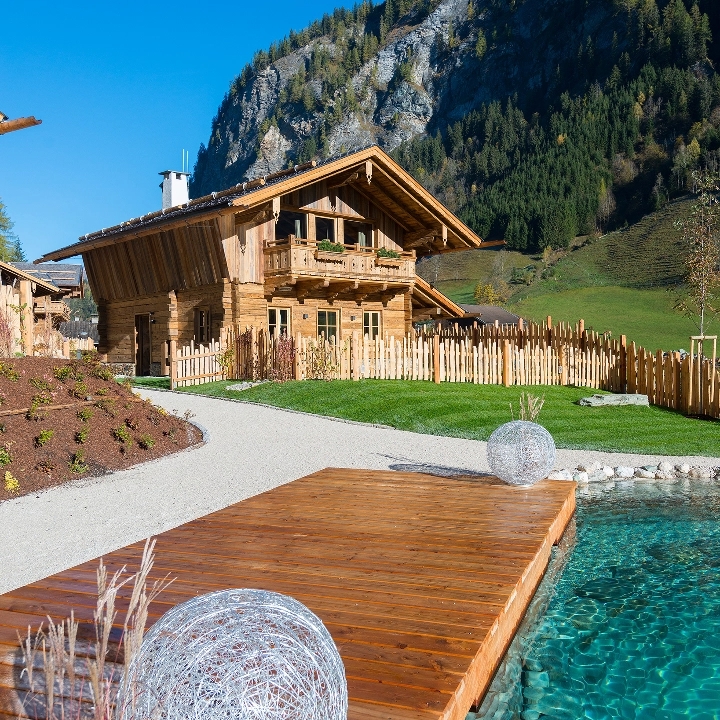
{"points": [[121, 89]]}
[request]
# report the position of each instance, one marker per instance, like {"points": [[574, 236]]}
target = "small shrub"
{"points": [[81, 435], [108, 405], [89, 357], [46, 466], [85, 414], [146, 442], [77, 462], [103, 372], [79, 390], [132, 423], [154, 419], [327, 246], [11, 483], [121, 434], [44, 437], [9, 372], [385, 253], [5, 456], [170, 434], [63, 372], [40, 384], [42, 398], [102, 392]]}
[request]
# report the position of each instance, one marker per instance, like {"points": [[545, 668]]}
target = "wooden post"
{"points": [[436, 358], [563, 365], [506, 363], [173, 364], [26, 316], [355, 354]]}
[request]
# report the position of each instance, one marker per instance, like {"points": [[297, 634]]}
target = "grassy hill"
{"points": [[623, 282]]}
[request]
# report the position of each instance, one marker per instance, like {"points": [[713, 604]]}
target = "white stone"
{"points": [[597, 476], [608, 471], [665, 467], [700, 473], [581, 477], [665, 476], [684, 468], [624, 471], [589, 468], [646, 474]]}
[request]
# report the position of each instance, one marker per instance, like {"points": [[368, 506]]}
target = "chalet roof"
{"points": [[41, 283], [80, 329], [63, 275], [488, 314], [426, 295], [410, 204]]}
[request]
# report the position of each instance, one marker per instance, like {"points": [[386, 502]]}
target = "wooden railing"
{"points": [[46, 306], [302, 257], [535, 354]]}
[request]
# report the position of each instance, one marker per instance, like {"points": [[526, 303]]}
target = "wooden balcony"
{"points": [[44, 306], [301, 259]]}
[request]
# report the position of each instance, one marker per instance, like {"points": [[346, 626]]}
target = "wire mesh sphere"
{"points": [[236, 655], [521, 452]]}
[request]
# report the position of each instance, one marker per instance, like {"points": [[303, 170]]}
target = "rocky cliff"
{"points": [[437, 61]]}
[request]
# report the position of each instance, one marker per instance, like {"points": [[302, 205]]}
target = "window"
{"points": [[291, 223], [371, 324], [327, 324], [358, 234], [202, 325], [324, 229], [279, 321]]}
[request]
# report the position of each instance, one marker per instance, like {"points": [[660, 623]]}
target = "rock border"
{"points": [[585, 474]]}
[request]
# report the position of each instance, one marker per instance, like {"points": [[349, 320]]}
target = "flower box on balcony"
{"points": [[388, 262], [329, 256]]}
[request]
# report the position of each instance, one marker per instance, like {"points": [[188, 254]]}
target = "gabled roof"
{"points": [[49, 288], [426, 221], [488, 314], [63, 275], [428, 296]]}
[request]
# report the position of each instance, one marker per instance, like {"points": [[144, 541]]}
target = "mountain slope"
{"points": [[534, 120]]}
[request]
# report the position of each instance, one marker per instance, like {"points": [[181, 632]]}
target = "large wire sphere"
{"points": [[521, 452], [236, 655]]}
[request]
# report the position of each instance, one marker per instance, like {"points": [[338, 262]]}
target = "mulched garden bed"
{"points": [[66, 419]]}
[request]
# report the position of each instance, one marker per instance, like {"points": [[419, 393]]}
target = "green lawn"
{"points": [[645, 316], [474, 411]]}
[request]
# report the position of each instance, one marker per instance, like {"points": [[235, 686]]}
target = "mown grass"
{"points": [[647, 317], [474, 411]]}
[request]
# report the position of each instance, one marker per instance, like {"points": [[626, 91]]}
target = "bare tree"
{"points": [[701, 233]]}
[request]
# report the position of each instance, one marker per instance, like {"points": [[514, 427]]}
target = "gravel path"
{"points": [[249, 449]]}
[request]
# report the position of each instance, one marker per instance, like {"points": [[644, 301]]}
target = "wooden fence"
{"points": [[532, 354], [192, 365]]}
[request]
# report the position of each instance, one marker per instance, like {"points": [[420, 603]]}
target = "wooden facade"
{"points": [[253, 256]]}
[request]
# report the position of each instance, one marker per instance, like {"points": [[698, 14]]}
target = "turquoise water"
{"points": [[633, 627]]}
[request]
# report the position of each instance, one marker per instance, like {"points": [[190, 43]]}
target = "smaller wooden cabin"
{"points": [[322, 249], [30, 309]]}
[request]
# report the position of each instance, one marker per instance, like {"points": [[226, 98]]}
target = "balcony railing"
{"points": [[45, 306], [298, 257]]}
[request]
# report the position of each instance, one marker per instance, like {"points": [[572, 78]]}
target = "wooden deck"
{"points": [[421, 580]]}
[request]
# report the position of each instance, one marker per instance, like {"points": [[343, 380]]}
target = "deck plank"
{"points": [[421, 580]]}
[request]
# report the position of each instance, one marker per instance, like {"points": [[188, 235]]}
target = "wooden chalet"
{"points": [[264, 254]]}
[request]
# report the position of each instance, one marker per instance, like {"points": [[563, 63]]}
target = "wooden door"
{"points": [[142, 344]]}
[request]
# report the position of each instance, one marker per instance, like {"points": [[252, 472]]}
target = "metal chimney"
{"points": [[174, 188]]}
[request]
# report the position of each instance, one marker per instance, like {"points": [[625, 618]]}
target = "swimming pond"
{"points": [[627, 622]]}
